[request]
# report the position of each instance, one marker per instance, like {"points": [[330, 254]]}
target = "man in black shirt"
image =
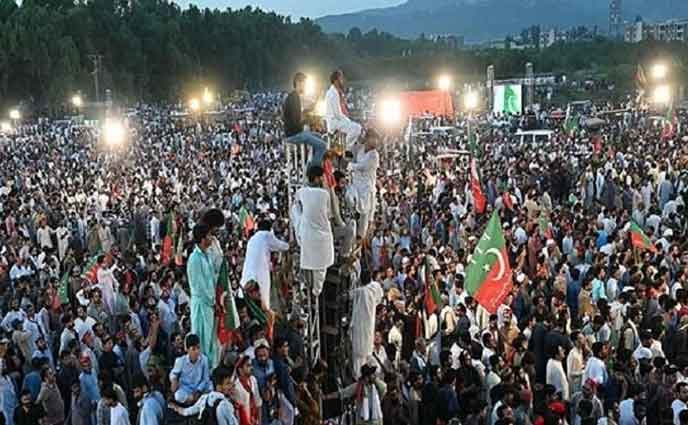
{"points": [[293, 122]]}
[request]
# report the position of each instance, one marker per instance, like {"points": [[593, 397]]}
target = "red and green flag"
{"points": [[91, 269], [246, 221], [432, 296], [639, 239], [479, 200], [488, 277]]}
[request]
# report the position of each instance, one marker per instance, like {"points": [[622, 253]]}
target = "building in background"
{"points": [[616, 28], [670, 30]]}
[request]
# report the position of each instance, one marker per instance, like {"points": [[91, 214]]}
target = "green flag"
{"points": [[231, 312], [473, 146], [488, 276], [511, 101], [63, 289], [571, 124]]}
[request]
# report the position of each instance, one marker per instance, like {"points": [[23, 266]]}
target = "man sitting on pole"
{"points": [[294, 122], [337, 112]]}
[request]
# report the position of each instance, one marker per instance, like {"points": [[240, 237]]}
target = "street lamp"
{"points": [[15, 115], [309, 86], [320, 108], [114, 132], [77, 101], [194, 104], [659, 71], [444, 82], [208, 97], [470, 100], [390, 112], [662, 94]]}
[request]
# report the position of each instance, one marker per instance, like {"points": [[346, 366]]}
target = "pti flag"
{"points": [[639, 239], [479, 200], [432, 296], [488, 277]]}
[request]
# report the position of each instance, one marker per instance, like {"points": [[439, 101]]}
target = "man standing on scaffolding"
{"points": [[311, 218], [293, 122], [364, 178], [337, 111]]}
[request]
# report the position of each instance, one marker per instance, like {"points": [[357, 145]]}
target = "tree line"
{"points": [[152, 50]]}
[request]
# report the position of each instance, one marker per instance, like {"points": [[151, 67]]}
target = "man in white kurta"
{"points": [[335, 117], [365, 300], [311, 218], [257, 261], [364, 178], [107, 282]]}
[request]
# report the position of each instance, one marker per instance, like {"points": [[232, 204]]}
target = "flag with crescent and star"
{"points": [[488, 277]]}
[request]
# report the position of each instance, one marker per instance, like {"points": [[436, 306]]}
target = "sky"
{"points": [[297, 8]]}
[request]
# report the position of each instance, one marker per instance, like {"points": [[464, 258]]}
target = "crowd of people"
{"points": [[153, 282]]}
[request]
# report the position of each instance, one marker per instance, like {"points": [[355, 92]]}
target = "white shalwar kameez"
{"points": [[364, 179], [311, 218], [337, 121], [365, 300], [257, 261]]}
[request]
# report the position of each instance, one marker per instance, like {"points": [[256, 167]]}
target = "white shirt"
{"points": [[119, 415], [626, 415], [596, 370], [557, 378], [678, 406], [311, 217], [257, 261], [333, 109]]}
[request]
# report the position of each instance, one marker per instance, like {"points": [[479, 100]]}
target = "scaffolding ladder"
{"points": [[305, 303]]}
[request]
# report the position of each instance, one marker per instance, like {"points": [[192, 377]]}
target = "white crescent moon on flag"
{"points": [[500, 259]]}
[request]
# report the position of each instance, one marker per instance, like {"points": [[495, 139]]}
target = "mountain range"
{"points": [[479, 20]]}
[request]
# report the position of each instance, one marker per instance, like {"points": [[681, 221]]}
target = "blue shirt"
{"points": [[601, 239], [262, 371], [89, 386], [191, 376], [598, 290], [32, 382], [151, 412]]}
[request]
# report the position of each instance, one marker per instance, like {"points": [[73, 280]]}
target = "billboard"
{"points": [[508, 98]]}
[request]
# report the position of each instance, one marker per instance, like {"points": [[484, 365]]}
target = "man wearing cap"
{"points": [[88, 381], [201, 276], [263, 365], [257, 259], [246, 393], [311, 218]]}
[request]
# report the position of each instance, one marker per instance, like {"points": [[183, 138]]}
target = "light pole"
{"points": [[470, 102], [77, 101], [444, 82], [208, 97]]}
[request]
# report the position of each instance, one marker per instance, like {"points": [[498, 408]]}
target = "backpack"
{"points": [[209, 415]]}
